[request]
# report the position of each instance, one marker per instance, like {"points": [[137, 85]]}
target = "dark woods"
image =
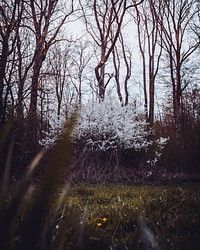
{"points": [[45, 75]]}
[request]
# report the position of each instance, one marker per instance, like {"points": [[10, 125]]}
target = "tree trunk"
{"points": [[3, 62], [99, 73], [177, 104], [32, 117], [151, 101]]}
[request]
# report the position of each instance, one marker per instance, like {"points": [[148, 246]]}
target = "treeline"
{"points": [[46, 74]]}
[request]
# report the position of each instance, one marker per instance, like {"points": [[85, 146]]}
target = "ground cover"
{"points": [[102, 216], [47, 215], [135, 217]]}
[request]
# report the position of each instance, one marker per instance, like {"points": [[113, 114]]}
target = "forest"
{"points": [[99, 124], [127, 99]]}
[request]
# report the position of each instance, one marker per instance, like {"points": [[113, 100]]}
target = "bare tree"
{"points": [[122, 55], [57, 70], [47, 20], [176, 24], [149, 38], [10, 18], [128, 65], [79, 72], [101, 18]]}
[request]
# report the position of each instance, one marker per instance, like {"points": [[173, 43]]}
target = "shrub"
{"points": [[106, 125], [107, 132]]}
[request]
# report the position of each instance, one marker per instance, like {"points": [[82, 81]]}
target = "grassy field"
{"points": [[109, 216], [51, 216], [133, 217]]}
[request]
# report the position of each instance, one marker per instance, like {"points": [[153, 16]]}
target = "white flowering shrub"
{"points": [[56, 125], [107, 136], [107, 125], [158, 146]]}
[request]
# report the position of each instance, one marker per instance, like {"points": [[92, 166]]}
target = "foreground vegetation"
{"points": [[50, 215], [134, 217], [115, 216]]}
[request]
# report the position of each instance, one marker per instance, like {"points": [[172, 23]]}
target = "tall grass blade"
{"points": [[10, 211], [5, 182], [34, 219], [54, 226], [82, 229]]}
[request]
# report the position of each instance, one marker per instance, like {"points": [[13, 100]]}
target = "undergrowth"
{"points": [[131, 216], [51, 216]]}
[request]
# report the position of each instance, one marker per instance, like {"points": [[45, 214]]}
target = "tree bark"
{"points": [[3, 62]]}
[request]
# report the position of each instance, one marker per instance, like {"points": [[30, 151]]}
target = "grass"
{"points": [[115, 214], [51, 216]]}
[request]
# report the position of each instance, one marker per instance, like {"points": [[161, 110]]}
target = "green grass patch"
{"points": [[122, 216], [115, 216]]}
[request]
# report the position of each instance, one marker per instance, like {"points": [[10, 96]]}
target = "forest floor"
{"points": [[119, 216], [116, 216]]}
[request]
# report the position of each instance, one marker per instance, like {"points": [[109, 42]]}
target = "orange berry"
{"points": [[104, 219]]}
